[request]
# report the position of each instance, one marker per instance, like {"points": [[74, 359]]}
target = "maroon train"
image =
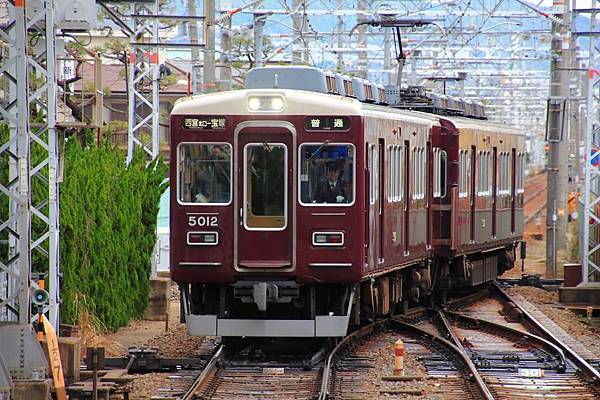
{"points": [[301, 212]]}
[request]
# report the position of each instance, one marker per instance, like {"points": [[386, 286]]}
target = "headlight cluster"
{"points": [[265, 103]]}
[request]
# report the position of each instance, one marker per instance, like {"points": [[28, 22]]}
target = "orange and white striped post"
{"points": [[399, 357]]}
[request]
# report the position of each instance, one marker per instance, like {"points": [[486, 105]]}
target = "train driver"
{"points": [[331, 189]]}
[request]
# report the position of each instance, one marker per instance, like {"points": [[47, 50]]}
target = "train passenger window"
{"points": [[204, 173], [439, 172], [326, 175], [395, 173], [483, 174], [504, 167], [265, 186], [418, 176]]}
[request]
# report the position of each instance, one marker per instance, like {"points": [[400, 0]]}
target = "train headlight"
{"points": [[265, 103]]}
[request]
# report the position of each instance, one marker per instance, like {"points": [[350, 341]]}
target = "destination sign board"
{"points": [[205, 122], [326, 123]]}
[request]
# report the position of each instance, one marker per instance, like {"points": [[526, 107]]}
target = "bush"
{"points": [[108, 221]]}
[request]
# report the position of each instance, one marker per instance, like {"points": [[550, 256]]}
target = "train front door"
{"points": [[264, 199]]}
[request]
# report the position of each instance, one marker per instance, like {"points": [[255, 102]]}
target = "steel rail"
{"points": [[328, 367], [474, 374], [582, 364], [510, 332], [208, 370]]}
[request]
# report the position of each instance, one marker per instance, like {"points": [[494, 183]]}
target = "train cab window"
{"points": [[464, 166], [204, 173], [440, 160], [265, 186], [327, 174]]}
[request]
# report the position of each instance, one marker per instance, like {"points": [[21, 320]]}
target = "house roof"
{"points": [[113, 77]]}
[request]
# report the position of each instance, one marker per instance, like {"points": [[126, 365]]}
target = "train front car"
{"points": [[266, 238]]}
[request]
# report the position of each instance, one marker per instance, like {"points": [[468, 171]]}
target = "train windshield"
{"points": [[204, 173], [327, 174]]}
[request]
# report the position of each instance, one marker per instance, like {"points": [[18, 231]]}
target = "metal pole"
{"points": [[341, 67], [387, 55], [259, 23], [297, 23], [209, 46], [225, 71], [556, 136]]}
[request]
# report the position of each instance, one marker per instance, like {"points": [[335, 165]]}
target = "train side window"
{"points": [[418, 176], [439, 172], [204, 173], [504, 174], [483, 174], [326, 174]]}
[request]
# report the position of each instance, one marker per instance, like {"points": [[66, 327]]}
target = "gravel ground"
{"points": [[176, 343], [146, 386], [547, 302]]}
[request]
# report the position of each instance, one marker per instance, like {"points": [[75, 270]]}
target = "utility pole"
{"points": [[259, 23], [225, 70], [193, 31], [557, 138], [209, 47], [341, 67], [361, 65], [299, 25]]}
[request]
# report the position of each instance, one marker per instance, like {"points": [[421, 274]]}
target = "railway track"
{"points": [[234, 374], [491, 349], [534, 203]]}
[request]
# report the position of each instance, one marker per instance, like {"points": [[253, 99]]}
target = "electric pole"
{"points": [[209, 46], [341, 67], [557, 138]]}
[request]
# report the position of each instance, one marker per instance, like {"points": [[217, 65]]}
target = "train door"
{"points": [[473, 191], [494, 189], [513, 195], [265, 199], [428, 169], [380, 201], [407, 170]]}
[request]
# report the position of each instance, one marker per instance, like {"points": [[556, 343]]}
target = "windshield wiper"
{"points": [[314, 154]]}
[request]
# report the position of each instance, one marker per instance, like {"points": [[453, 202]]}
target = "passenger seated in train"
{"points": [[331, 188]]}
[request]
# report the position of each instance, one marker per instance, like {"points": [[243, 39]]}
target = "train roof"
{"points": [[300, 102]]}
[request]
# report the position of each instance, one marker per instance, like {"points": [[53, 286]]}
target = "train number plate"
{"points": [[202, 220]]}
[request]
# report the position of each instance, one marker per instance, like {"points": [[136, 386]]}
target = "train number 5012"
{"points": [[202, 220]]}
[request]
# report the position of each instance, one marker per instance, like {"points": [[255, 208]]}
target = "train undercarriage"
{"points": [[279, 307]]}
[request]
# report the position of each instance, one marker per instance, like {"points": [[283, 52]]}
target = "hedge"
{"points": [[107, 221]]}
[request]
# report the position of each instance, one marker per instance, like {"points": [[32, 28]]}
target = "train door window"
{"points": [[372, 175], [504, 187], [415, 173], [401, 173], [204, 173], [521, 173], [391, 170], [464, 165], [265, 186], [326, 174], [439, 172]]}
